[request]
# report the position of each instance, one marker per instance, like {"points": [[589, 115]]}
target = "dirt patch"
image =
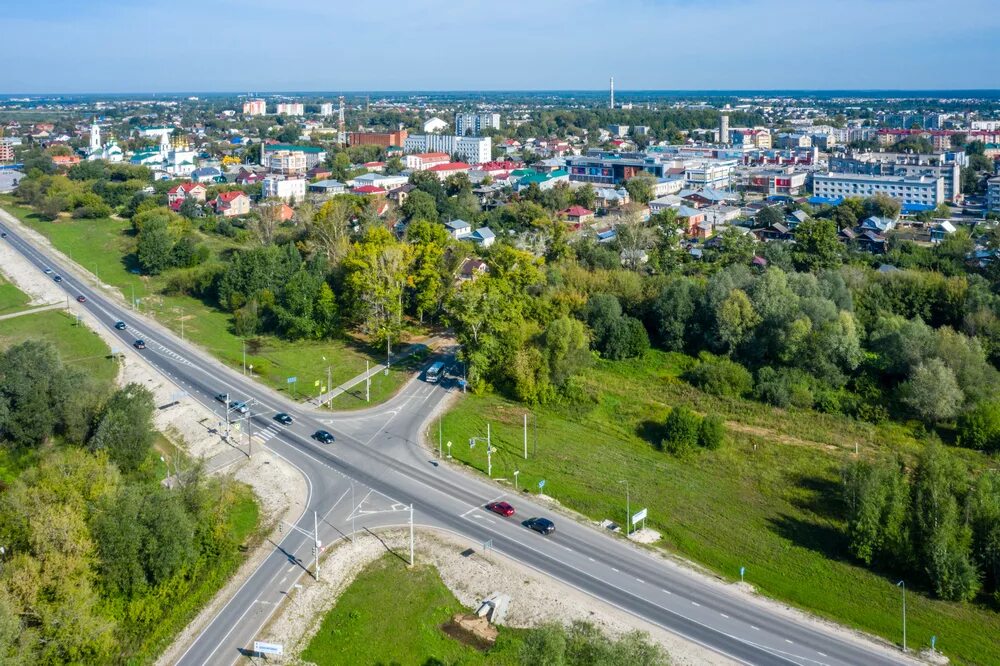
{"points": [[476, 632], [766, 433]]}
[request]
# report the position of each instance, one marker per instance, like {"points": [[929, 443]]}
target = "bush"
{"points": [[979, 427], [720, 376], [681, 430], [784, 387], [625, 338], [711, 432]]}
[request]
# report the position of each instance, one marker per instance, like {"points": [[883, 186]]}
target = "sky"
{"points": [[95, 46]]}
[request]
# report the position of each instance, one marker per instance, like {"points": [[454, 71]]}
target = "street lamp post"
{"points": [[516, 472], [489, 450], [628, 508], [902, 584]]}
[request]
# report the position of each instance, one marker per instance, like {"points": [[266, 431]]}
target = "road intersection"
{"points": [[377, 468]]}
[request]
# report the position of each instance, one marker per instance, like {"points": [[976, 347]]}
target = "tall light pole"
{"points": [[902, 584], [526, 435], [628, 508], [489, 450]]}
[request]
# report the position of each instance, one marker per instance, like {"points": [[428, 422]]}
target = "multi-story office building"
{"points": [[254, 107], [777, 182], [471, 149], [946, 165], [283, 188], [923, 190], [474, 123], [384, 139], [291, 109]]}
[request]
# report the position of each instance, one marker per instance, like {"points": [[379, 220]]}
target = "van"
{"points": [[433, 374]]}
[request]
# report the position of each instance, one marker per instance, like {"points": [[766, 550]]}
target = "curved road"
{"points": [[376, 469]]}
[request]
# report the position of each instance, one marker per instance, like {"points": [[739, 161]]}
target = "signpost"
{"points": [[743, 570], [541, 484], [639, 515], [292, 380], [276, 649]]}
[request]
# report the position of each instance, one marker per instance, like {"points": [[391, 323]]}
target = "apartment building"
{"points": [[326, 109], [474, 123], [993, 195], [421, 161], [923, 190], [946, 165], [471, 149], [286, 189], [291, 109], [254, 107], [286, 158]]}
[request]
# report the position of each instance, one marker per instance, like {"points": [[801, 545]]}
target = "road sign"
{"points": [[268, 648], [292, 380], [316, 383], [639, 515], [541, 484]]}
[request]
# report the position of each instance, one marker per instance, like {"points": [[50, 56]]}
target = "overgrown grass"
{"points": [[77, 345], [106, 247], [12, 299], [768, 500], [393, 615], [383, 384]]}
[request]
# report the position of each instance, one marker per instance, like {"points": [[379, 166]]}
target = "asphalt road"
{"points": [[375, 470]]}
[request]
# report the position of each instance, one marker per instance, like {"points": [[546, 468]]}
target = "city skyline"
{"points": [[652, 45]]}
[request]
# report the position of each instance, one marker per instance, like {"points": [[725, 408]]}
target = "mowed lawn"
{"points": [[105, 247], [393, 615], [12, 299], [768, 500]]}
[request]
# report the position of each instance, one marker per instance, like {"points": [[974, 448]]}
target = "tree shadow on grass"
{"points": [[820, 496], [824, 539], [652, 432]]}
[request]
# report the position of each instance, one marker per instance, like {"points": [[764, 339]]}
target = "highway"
{"points": [[376, 469]]}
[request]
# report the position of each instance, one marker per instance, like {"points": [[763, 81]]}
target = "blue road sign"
{"points": [[292, 380], [541, 484]]}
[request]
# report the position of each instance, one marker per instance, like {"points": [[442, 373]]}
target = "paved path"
{"points": [[42, 308], [429, 344]]}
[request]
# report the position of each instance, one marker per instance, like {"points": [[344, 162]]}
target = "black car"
{"points": [[58, 278], [222, 397], [3, 234], [284, 418], [323, 436], [139, 344], [81, 299], [541, 525], [120, 325]]}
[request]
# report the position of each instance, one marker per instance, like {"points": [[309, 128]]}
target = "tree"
{"points": [[719, 375], [877, 498], [768, 216], [329, 229], [566, 346], [736, 319], [154, 246], [640, 187], [35, 388], [932, 392], [680, 431], [625, 338], [882, 205], [375, 273], [979, 427], [265, 222], [125, 427], [420, 205], [633, 236], [736, 246], [711, 432], [816, 245]]}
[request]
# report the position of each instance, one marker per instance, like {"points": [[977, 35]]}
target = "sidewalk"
{"points": [[431, 344], [43, 308]]}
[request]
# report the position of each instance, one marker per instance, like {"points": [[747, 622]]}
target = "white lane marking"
{"points": [[755, 628], [695, 603], [822, 654], [641, 580], [789, 642], [591, 559], [667, 591], [615, 570], [724, 615]]}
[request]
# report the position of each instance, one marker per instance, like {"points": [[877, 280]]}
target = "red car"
{"points": [[503, 508]]}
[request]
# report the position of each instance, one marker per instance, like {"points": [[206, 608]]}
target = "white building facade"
{"points": [[471, 149], [285, 189], [908, 190], [474, 123]]}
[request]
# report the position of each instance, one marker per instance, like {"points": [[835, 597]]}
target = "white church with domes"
{"points": [[110, 151]]}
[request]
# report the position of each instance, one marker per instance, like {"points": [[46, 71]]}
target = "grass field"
{"points": [[766, 501], [105, 248], [393, 615], [11, 298]]}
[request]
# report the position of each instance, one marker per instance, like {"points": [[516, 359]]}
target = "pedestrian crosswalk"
{"points": [[267, 432]]}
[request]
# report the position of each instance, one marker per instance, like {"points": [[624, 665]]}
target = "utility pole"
{"points": [[388, 353], [249, 429], [628, 508], [902, 584], [411, 535], [440, 438], [227, 416], [368, 383], [489, 451], [244, 356]]}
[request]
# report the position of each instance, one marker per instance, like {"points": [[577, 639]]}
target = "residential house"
{"points": [[369, 191], [421, 161], [284, 211], [327, 187], [285, 189], [247, 177], [458, 228], [577, 215], [177, 194], [231, 204], [400, 194], [472, 268], [442, 171], [941, 230], [206, 175]]}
